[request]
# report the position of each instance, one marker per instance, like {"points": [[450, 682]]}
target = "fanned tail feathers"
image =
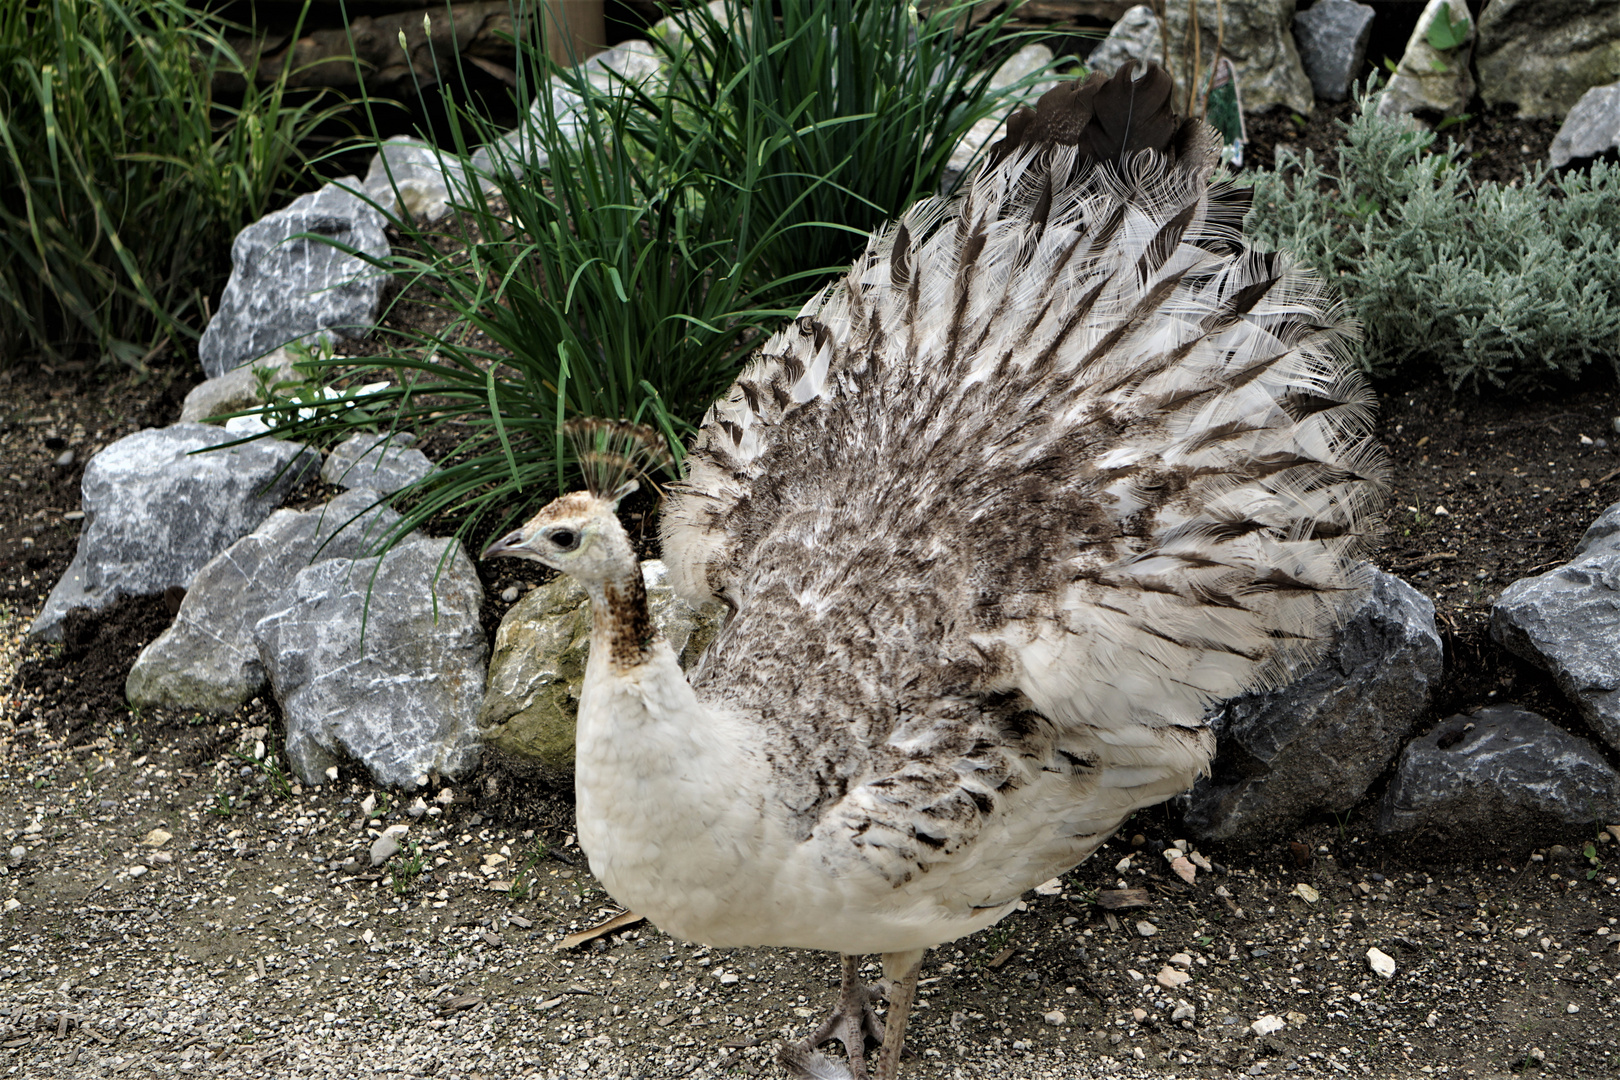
{"points": [[1144, 434]]}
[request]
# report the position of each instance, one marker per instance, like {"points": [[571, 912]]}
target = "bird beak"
{"points": [[506, 545]]}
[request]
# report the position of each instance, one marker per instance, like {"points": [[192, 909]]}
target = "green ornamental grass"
{"points": [[624, 255], [122, 179]]}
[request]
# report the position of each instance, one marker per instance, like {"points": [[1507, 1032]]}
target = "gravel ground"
{"points": [[172, 905]]}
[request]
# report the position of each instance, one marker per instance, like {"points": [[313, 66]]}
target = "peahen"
{"points": [[1055, 465]]}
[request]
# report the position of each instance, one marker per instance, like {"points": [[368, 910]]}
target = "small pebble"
{"points": [[1268, 1025], [1381, 962], [1146, 929], [510, 593], [1056, 1018], [137, 871]]}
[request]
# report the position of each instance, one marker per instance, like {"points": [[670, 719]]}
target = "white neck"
{"points": [[656, 775]]}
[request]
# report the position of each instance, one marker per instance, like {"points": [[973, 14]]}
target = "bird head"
{"points": [[578, 534]]}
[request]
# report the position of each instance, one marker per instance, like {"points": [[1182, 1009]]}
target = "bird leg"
{"points": [[852, 1022], [901, 971]]}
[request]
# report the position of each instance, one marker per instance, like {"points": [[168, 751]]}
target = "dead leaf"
{"points": [[461, 1001], [1116, 899], [618, 922]]}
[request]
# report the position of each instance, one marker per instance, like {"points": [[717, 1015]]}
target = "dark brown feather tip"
{"points": [[1108, 119]]}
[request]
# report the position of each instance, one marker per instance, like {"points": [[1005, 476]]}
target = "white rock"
{"points": [[1056, 1018], [728, 978], [332, 773], [1146, 929], [1184, 1011], [1381, 962], [1181, 959], [1049, 888], [417, 808], [11, 904], [1170, 978], [445, 797], [137, 871], [156, 838], [1307, 893], [1268, 1025]]}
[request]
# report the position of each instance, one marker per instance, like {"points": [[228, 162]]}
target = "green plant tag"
{"points": [[1446, 33], [1224, 111]]}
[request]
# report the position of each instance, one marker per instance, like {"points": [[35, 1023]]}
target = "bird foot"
{"points": [[853, 1022]]}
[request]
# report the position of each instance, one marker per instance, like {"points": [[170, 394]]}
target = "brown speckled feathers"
{"points": [[1055, 465]]}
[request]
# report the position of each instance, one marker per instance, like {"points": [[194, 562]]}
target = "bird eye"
{"points": [[564, 539]]}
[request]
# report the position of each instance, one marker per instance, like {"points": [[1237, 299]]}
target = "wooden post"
{"points": [[576, 25]]}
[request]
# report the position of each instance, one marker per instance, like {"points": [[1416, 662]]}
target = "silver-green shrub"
{"points": [[1509, 286]]}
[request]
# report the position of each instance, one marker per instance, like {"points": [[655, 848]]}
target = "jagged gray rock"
{"points": [[1542, 55], [284, 290], [155, 512], [1568, 621], [1319, 742], [1134, 37], [424, 180], [207, 658], [1591, 129], [1602, 535], [382, 660], [1502, 772], [634, 62], [1332, 40], [384, 463], [538, 666], [1430, 80], [235, 390]]}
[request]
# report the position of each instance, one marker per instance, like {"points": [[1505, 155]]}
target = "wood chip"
{"points": [[1117, 899], [618, 922], [1002, 957]]}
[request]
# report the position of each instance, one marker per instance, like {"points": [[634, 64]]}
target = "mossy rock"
{"points": [[531, 698]]}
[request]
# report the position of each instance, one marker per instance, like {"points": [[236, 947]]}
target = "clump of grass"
{"points": [[122, 179], [623, 257]]}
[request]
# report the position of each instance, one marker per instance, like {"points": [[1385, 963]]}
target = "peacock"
{"points": [[1054, 466]]}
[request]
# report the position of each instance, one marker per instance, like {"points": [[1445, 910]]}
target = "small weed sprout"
{"points": [[407, 870]]}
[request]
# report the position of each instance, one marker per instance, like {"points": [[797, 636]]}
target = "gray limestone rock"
{"points": [[155, 512], [1501, 772], [1542, 55], [381, 660], [410, 178], [1568, 621], [1591, 129], [207, 658], [283, 290], [631, 62], [1332, 39], [384, 463], [1602, 535], [1319, 742], [1134, 37], [1257, 40], [234, 391], [1431, 80], [538, 666]]}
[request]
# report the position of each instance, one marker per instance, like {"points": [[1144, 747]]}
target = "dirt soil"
{"points": [[171, 903]]}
